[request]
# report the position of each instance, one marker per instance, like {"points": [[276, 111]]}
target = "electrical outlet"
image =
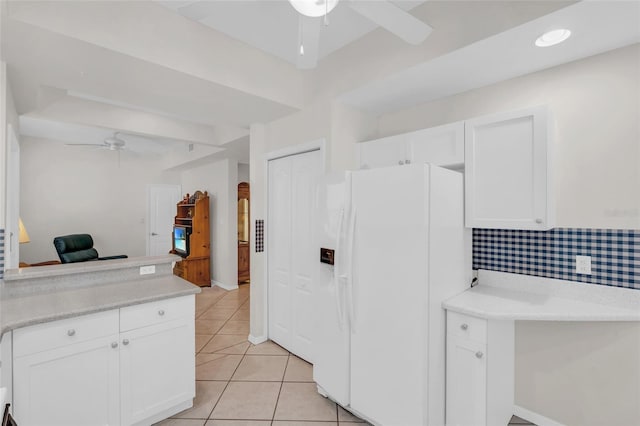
{"points": [[583, 265], [146, 270]]}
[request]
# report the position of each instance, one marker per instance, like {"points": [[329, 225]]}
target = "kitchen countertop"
{"points": [[504, 296], [24, 308]]}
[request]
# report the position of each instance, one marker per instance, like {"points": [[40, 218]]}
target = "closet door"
{"points": [[292, 185]]}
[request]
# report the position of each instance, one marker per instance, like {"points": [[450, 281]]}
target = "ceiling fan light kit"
{"points": [[313, 8]]}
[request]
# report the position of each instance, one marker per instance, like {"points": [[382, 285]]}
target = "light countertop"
{"points": [[505, 296], [24, 308]]}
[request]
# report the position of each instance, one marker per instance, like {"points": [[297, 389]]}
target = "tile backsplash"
{"points": [[615, 254], [1, 253]]}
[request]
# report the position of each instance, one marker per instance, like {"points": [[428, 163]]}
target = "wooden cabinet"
{"points": [[193, 215], [441, 145], [508, 167], [243, 261], [479, 371], [126, 366], [243, 232]]}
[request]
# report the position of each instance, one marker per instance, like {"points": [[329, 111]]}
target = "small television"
{"points": [[181, 240]]}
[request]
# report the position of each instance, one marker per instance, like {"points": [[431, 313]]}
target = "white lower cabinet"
{"points": [[479, 372], [76, 384], [87, 371], [157, 369]]}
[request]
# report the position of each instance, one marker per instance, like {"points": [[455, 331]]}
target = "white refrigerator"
{"points": [[399, 250]]}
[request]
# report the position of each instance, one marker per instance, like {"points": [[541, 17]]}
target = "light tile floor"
{"points": [[240, 384]]}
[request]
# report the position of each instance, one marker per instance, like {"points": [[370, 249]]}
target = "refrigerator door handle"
{"points": [[350, 269], [338, 279]]}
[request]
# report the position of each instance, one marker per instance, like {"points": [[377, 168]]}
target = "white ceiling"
{"points": [[273, 26], [596, 26], [142, 69]]}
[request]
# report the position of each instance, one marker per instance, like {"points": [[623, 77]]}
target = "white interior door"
{"points": [[291, 253], [162, 210]]}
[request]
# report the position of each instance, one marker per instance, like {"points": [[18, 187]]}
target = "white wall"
{"points": [[243, 172], [68, 190], [219, 179], [575, 373]]}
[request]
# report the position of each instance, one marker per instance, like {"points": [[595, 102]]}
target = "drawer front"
{"points": [[467, 327], [55, 334], [152, 313]]}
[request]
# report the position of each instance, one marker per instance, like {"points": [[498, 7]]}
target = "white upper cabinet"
{"points": [[383, 152], [508, 171], [442, 146]]}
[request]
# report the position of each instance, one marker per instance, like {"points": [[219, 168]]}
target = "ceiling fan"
{"points": [[381, 12], [113, 143], [313, 14]]}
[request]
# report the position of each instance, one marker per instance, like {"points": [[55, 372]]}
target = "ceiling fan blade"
{"points": [[198, 10], [393, 19], [95, 145], [310, 42]]}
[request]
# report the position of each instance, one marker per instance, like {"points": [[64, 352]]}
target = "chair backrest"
{"points": [[75, 248]]}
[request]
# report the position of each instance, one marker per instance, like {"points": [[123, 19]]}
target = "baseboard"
{"points": [[224, 286], [257, 340], [535, 418]]}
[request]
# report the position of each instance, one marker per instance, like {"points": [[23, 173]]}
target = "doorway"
{"points": [[162, 200], [244, 267], [291, 255]]}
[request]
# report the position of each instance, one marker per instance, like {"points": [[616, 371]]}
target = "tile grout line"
{"points": [[275, 408]]}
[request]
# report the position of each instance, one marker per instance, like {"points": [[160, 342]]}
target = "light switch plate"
{"points": [[146, 270], [583, 265]]}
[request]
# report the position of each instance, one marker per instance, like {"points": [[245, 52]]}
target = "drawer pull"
{"points": [[464, 326], [125, 342], [479, 354], [161, 312], [114, 345], [71, 332]]}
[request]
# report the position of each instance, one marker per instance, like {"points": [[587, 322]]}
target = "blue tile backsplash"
{"points": [[1, 253], [615, 254]]}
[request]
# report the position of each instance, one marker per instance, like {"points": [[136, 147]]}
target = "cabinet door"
{"points": [[442, 145], [383, 152], [157, 368], [508, 171], [466, 382], [75, 384]]}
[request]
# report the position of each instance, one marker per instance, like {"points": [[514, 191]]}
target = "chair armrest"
{"points": [[120, 256]]}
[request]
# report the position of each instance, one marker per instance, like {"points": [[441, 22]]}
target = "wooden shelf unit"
{"points": [[196, 267]]}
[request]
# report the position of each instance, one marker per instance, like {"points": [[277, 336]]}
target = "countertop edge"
{"points": [[6, 327]]}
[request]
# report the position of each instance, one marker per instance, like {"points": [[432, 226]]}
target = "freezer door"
{"points": [[390, 295], [331, 336]]}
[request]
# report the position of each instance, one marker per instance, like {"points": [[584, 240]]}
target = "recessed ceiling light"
{"points": [[553, 37]]}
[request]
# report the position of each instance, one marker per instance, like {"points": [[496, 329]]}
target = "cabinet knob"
{"points": [[161, 312], [71, 332], [407, 161], [479, 354], [539, 220], [114, 345], [464, 326], [125, 342], [401, 162]]}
